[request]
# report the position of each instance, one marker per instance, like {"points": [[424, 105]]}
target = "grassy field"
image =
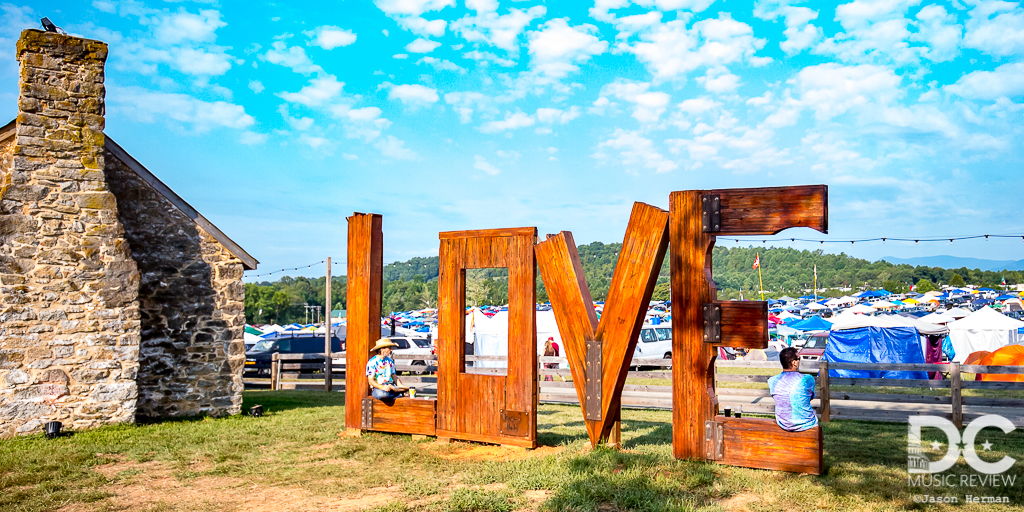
{"points": [[294, 459]]}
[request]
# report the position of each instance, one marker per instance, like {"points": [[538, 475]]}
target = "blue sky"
{"points": [[277, 120]]}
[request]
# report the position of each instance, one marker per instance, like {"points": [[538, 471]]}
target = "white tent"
{"points": [[986, 329], [851, 321], [882, 304], [958, 313], [861, 308], [815, 306], [938, 317], [490, 335]]}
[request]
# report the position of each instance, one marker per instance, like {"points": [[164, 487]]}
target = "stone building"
{"points": [[118, 300]]}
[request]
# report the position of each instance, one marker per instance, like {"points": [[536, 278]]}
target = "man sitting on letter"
{"points": [[792, 392]]}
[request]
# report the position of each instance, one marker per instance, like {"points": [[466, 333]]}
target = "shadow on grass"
{"points": [[277, 401]]}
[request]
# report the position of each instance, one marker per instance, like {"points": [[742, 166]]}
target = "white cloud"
{"points": [[1006, 80], [319, 91], [413, 94], [349, 156], [512, 121], [197, 61], [314, 141], [184, 26], [832, 89], [441, 64], [996, 28], [940, 31], [330, 37], [800, 33], [556, 48], [256, 86], [294, 57], [481, 164], [400, 56], [297, 123], [648, 105], [485, 57], [601, 9], [360, 123], [148, 106], [463, 103], [557, 116], [698, 105], [501, 31], [670, 50], [719, 81], [635, 150], [408, 14], [394, 148], [875, 31], [422, 46]]}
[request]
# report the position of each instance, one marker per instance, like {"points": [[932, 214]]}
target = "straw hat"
{"points": [[382, 343]]}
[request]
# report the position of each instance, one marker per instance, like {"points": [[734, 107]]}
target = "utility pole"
{"points": [[327, 331]]}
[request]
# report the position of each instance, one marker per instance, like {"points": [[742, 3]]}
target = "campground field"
{"points": [[297, 457]]}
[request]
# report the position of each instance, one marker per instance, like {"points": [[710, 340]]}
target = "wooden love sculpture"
{"points": [[503, 409]]}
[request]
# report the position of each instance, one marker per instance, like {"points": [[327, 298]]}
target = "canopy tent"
{"points": [[848, 321], [875, 345], [882, 304], [985, 329], [816, 307], [862, 308], [958, 313], [814, 323], [938, 317], [252, 330]]}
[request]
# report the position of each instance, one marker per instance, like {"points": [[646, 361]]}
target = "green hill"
{"points": [[412, 284]]}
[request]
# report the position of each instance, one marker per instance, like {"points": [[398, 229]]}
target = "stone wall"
{"points": [[69, 316], [191, 303]]}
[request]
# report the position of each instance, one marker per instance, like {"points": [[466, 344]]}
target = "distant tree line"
{"points": [[412, 284]]}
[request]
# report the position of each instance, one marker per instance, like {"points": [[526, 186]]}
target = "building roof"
{"points": [[247, 260]]}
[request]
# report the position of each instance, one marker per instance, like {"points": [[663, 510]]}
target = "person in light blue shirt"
{"points": [[792, 392]]}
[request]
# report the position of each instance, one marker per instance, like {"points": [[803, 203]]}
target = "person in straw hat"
{"points": [[380, 372]]}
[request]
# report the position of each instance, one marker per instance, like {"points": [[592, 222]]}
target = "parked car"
{"points": [[258, 359], [655, 342], [814, 348], [412, 347]]}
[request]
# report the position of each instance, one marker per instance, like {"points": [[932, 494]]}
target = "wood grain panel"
{"points": [[743, 212], [760, 443], [692, 358], [470, 405], [744, 324], [364, 275], [405, 416], [562, 272], [636, 273], [766, 211]]}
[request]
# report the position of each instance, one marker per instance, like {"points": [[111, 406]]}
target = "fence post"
{"points": [[275, 370], [826, 409], [956, 395]]}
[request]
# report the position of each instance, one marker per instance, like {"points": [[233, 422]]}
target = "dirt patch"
{"points": [[152, 485], [491, 452], [739, 502]]}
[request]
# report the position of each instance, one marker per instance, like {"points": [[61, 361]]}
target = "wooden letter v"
{"points": [[600, 353]]}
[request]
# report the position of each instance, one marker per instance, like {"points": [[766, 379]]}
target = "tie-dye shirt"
{"points": [[381, 369], [792, 392]]}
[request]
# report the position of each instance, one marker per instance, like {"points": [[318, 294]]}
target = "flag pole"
{"points": [[815, 283], [759, 281]]}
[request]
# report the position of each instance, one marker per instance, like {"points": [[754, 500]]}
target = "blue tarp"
{"points": [[875, 345], [814, 323]]}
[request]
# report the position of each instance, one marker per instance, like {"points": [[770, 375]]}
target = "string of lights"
{"points": [[291, 269], [916, 241]]}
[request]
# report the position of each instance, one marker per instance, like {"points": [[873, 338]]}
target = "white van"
{"points": [[655, 342]]}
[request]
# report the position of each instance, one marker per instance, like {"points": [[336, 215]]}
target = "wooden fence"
{"points": [[739, 384]]}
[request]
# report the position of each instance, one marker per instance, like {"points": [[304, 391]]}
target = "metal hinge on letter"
{"points": [[367, 413], [713, 445], [711, 213], [712, 323], [593, 384]]}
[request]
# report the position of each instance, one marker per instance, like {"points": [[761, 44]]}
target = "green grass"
{"points": [[296, 444]]}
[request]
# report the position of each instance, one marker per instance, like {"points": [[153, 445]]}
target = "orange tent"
{"points": [[1010, 355], [976, 357]]}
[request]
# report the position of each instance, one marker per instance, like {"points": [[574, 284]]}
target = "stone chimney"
{"points": [[69, 314]]}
